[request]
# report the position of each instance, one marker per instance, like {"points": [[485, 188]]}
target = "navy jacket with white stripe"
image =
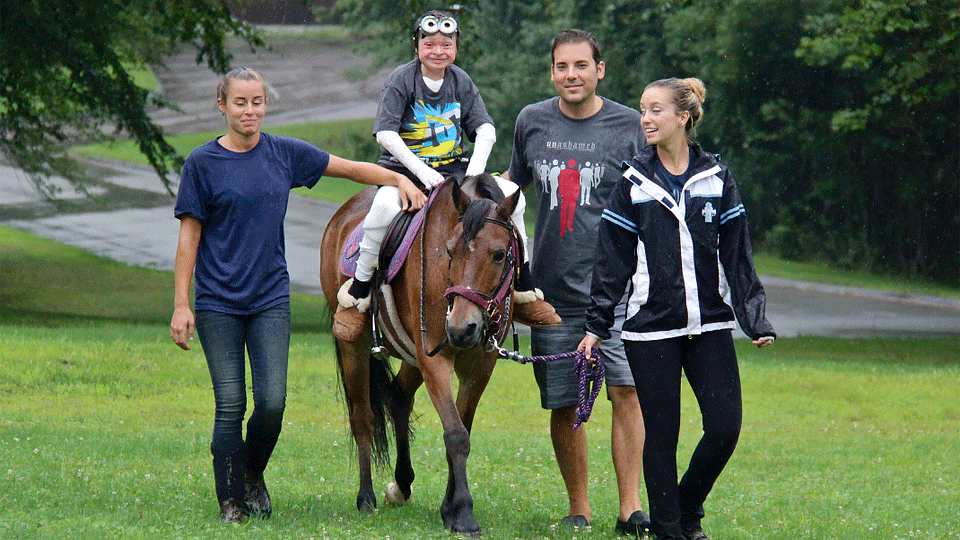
{"points": [[688, 264]]}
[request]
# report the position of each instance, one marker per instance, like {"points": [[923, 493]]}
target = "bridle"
{"points": [[489, 304], [494, 318]]}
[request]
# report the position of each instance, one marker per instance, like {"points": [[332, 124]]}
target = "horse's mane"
{"points": [[474, 217], [486, 187]]}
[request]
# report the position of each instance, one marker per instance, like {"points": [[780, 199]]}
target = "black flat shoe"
{"points": [[636, 525], [574, 522], [694, 534], [230, 513], [256, 501]]}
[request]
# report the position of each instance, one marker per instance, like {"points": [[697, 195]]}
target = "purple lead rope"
{"points": [[590, 375]]}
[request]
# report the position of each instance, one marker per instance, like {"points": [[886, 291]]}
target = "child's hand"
{"points": [[430, 178]]}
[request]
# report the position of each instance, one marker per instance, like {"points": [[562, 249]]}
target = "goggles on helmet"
{"points": [[431, 24]]}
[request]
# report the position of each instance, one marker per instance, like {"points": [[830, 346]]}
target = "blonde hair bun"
{"points": [[697, 87]]}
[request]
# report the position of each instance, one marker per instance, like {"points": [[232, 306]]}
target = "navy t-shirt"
{"points": [[241, 200], [674, 181]]}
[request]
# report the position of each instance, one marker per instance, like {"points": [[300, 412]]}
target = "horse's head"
{"points": [[483, 248]]}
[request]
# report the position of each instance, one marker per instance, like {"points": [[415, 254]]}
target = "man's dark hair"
{"points": [[573, 35]]}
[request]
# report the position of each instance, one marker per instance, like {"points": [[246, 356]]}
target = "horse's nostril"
{"points": [[464, 337]]}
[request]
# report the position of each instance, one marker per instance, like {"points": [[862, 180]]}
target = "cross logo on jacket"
{"points": [[708, 212]]}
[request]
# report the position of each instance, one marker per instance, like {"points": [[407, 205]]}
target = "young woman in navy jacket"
{"points": [[675, 232]]}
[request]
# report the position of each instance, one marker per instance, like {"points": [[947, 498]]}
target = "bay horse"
{"points": [[444, 305]]}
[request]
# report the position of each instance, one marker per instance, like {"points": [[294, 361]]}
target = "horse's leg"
{"points": [[474, 374], [407, 382], [355, 363], [457, 507]]}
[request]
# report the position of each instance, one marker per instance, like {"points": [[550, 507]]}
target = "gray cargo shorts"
{"points": [[558, 382]]}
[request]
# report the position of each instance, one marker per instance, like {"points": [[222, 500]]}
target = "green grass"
{"points": [[819, 272], [105, 426], [105, 433]]}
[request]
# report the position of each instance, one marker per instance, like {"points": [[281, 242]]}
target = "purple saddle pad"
{"points": [[351, 249]]}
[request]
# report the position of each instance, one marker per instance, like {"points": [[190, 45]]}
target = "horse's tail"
{"points": [[383, 403]]}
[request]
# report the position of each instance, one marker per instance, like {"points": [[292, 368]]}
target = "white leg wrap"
{"points": [[347, 301], [394, 496], [525, 297]]}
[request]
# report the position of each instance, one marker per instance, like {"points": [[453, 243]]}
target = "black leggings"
{"points": [[710, 364]]}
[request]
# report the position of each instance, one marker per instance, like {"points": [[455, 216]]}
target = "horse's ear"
{"points": [[508, 205], [460, 199]]}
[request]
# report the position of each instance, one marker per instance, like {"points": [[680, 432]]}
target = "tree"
{"points": [[839, 118], [902, 124], [65, 75]]}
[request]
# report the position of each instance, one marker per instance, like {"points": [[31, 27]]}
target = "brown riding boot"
{"points": [[348, 323], [351, 317], [531, 309]]}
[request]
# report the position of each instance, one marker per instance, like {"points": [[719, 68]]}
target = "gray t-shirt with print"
{"points": [[574, 166], [434, 125]]}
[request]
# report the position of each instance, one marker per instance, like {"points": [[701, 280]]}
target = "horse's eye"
{"points": [[499, 256]]}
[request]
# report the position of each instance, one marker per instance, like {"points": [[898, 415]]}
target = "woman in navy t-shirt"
{"points": [[231, 205]]}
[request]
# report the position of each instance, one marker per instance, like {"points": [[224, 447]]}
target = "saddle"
{"points": [[396, 244], [393, 254]]}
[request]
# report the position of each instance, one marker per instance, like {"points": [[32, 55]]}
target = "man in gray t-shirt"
{"points": [[570, 148], [573, 165]]}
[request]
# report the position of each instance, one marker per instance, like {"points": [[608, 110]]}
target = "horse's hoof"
{"points": [[395, 496], [467, 534], [366, 506]]}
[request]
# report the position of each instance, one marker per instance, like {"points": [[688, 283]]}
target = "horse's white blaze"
{"points": [[395, 496]]}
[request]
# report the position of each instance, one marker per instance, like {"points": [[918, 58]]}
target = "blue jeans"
{"points": [[266, 337]]}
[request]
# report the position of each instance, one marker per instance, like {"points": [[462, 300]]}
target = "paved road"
{"points": [[131, 217], [145, 234], [307, 81]]}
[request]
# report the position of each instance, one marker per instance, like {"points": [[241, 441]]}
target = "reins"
{"points": [[590, 373]]}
